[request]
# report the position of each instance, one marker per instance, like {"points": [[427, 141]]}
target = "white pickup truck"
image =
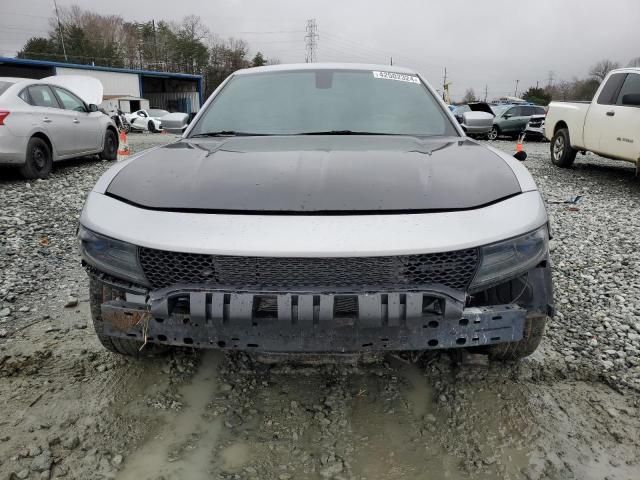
{"points": [[609, 125]]}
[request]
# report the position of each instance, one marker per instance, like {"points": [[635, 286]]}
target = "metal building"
{"points": [[176, 92]]}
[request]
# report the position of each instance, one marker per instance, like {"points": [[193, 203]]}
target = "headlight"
{"points": [[511, 258], [114, 257]]}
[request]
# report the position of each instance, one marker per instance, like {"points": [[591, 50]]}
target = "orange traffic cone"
{"points": [[519, 147], [123, 147]]}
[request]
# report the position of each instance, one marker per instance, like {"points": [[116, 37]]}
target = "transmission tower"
{"points": [[311, 40]]}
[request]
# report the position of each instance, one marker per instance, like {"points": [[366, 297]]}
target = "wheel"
{"points": [[38, 162], [493, 134], [100, 292], [152, 128], [127, 127], [532, 335], [562, 154], [110, 150]]}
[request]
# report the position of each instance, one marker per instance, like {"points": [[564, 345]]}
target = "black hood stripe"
{"points": [[316, 175]]}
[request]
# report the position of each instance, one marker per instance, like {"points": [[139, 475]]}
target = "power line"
{"points": [[272, 33], [311, 40]]}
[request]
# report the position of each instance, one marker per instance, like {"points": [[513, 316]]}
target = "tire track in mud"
{"points": [[183, 446], [334, 421]]}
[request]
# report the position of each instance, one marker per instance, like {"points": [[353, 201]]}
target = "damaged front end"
{"points": [[414, 302], [310, 322]]}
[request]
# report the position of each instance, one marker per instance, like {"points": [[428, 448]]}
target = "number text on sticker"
{"points": [[401, 77]]}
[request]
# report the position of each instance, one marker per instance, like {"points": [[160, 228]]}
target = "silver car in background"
{"points": [[476, 119], [175, 122], [42, 121]]}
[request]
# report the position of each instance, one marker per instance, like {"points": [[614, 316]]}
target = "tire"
{"points": [[100, 292], [494, 133], [562, 155], [110, 150], [39, 161], [532, 335], [127, 128], [152, 128]]}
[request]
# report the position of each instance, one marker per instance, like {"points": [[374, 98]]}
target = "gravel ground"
{"points": [[73, 410]]}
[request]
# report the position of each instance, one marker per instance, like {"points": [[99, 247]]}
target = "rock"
{"points": [[22, 474], [71, 442], [34, 450], [42, 463], [3, 332], [117, 460], [53, 439], [331, 470], [71, 302], [5, 312]]}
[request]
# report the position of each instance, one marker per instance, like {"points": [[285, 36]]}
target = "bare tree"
{"points": [[634, 62], [469, 96], [601, 69]]}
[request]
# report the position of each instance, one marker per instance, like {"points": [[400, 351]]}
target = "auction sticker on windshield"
{"points": [[401, 77]]}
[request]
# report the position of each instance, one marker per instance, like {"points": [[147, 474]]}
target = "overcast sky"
{"points": [[488, 42]]}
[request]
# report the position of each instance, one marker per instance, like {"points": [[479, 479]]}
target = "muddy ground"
{"points": [[69, 409]]}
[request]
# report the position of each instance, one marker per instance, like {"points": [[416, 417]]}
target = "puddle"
{"points": [[235, 456], [420, 395], [183, 446], [387, 428]]}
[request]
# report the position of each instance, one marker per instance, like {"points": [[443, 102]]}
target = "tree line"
{"points": [[578, 89], [186, 46]]}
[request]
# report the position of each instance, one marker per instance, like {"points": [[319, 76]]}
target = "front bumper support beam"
{"points": [[311, 322]]}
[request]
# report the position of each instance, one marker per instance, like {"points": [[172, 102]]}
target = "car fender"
{"points": [[37, 130]]}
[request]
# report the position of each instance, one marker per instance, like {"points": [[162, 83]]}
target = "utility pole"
{"points": [[155, 45], [516, 94], [486, 92], [391, 61], [311, 40], [64, 50], [444, 83], [550, 79]]}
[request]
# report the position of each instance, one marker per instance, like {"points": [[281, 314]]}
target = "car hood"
{"points": [[316, 175], [89, 89]]}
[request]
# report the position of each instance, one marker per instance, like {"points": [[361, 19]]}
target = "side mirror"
{"points": [[93, 108], [631, 99], [459, 118], [521, 155]]}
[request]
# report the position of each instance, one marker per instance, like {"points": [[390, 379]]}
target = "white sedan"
{"points": [[42, 121], [143, 121]]}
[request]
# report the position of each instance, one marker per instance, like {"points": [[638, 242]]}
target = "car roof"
{"points": [[12, 79], [326, 66], [626, 70]]}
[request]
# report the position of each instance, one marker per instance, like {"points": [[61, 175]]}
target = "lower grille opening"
{"points": [[265, 306], [345, 306]]}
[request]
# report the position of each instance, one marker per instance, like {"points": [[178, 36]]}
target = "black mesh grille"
{"points": [[452, 269]]}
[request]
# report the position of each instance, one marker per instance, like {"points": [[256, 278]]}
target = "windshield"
{"points": [[319, 101], [156, 112], [498, 109]]}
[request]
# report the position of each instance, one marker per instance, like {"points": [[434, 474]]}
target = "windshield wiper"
{"points": [[228, 133], [343, 132]]}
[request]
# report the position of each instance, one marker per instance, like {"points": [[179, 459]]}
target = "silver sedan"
{"points": [[42, 121]]}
